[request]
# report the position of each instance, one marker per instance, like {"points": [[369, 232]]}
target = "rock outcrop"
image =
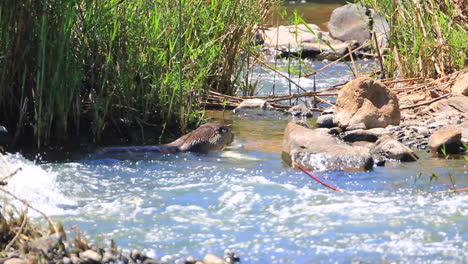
{"points": [[448, 138], [460, 86], [366, 101], [316, 149]]}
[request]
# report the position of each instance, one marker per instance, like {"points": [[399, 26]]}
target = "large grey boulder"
{"points": [[316, 149], [350, 22], [366, 101], [391, 148]]}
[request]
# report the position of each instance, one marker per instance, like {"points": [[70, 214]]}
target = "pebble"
{"points": [[91, 256], [15, 261]]}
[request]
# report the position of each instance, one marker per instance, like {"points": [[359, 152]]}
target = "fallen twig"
{"points": [[454, 190], [30, 206], [315, 178], [20, 230], [426, 103]]}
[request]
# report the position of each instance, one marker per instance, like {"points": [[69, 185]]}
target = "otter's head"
{"points": [[209, 137]]}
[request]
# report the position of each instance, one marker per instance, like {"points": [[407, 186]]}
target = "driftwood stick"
{"points": [[426, 103], [387, 81], [297, 96]]}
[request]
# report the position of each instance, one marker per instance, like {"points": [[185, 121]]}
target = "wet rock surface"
{"points": [[316, 149], [325, 120], [300, 110], [391, 148], [446, 139], [253, 106]]}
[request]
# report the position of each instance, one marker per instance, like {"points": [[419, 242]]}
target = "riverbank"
{"points": [[81, 73]]}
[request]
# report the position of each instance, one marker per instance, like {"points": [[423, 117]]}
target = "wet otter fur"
{"points": [[210, 137]]}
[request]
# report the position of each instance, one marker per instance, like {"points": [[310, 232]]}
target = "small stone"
{"points": [[392, 149], [15, 261], [108, 257], [75, 259], [392, 128], [46, 244], [90, 256], [152, 261], [135, 254], [360, 135], [335, 131], [300, 110], [302, 123], [450, 137], [325, 121], [67, 260], [328, 111], [212, 259], [356, 126], [252, 106]]}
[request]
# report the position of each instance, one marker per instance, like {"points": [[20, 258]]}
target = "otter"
{"points": [[210, 137]]}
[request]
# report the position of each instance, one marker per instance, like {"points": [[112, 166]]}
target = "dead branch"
{"points": [[20, 230], [33, 208], [426, 103]]}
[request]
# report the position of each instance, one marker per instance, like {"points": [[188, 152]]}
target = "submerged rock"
{"points": [[316, 149], [253, 106], [366, 101], [448, 138], [300, 110], [391, 148]]}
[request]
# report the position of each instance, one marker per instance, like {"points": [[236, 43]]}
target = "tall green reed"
{"points": [[71, 67], [428, 38]]}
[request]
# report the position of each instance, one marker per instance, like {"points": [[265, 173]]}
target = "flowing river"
{"points": [[248, 200]]}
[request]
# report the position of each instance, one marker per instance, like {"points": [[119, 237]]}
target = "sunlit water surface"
{"points": [[246, 199]]}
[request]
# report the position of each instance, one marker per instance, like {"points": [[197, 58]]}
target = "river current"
{"points": [[246, 199]]}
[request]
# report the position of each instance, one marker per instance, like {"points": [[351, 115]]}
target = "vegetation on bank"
{"points": [[71, 68], [427, 38]]}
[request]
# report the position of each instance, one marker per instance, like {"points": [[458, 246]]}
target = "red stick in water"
{"points": [[315, 178]]}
